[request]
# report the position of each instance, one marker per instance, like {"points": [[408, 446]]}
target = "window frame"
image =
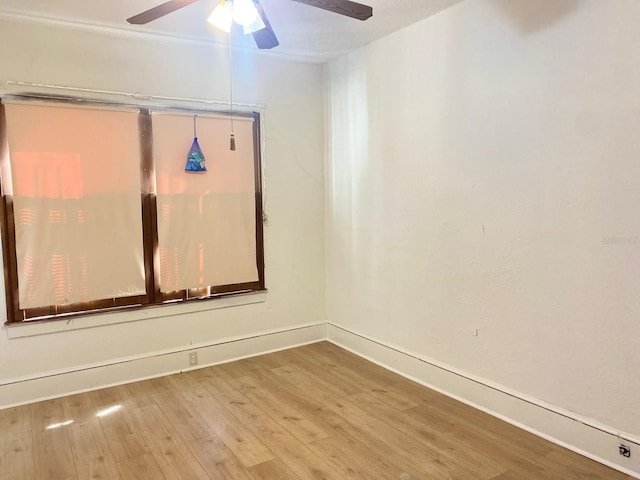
{"points": [[148, 200]]}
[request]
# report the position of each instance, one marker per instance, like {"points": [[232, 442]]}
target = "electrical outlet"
{"points": [[193, 358], [624, 450]]}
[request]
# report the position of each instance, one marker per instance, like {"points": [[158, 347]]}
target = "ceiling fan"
{"points": [[264, 37]]}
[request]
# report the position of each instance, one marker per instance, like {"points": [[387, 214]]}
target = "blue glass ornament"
{"points": [[195, 158]]}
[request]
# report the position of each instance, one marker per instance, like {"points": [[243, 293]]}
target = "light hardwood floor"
{"points": [[314, 412]]}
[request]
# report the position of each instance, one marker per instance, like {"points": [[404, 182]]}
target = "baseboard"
{"points": [[84, 378], [564, 428]]}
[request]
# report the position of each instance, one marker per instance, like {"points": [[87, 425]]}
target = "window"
{"points": [[98, 212]]}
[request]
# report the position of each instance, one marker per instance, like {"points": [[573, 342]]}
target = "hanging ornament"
{"points": [[195, 158]]}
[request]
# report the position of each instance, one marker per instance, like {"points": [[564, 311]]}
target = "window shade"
{"points": [[76, 197], [206, 221]]}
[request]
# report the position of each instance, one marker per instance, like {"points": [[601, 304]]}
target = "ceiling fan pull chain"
{"points": [[232, 138]]}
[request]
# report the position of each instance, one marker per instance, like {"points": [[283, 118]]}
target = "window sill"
{"points": [[30, 329]]}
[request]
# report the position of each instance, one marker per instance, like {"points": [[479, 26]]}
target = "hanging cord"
{"points": [[232, 139], [195, 134]]}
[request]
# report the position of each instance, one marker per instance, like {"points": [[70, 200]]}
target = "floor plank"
{"points": [[16, 445], [284, 413], [182, 418], [143, 467], [91, 452], [458, 457], [123, 436], [242, 443], [298, 457], [16, 456], [53, 457], [272, 469]]}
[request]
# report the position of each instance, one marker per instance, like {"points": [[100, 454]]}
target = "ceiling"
{"points": [[304, 32]]}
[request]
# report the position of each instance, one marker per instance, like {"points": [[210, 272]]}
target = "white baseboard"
{"points": [[564, 428], [84, 378]]}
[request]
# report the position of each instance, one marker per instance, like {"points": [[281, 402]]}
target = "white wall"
{"points": [[483, 174], [294, 184]]}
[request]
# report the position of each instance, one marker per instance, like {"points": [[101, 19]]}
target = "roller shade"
{"points": [[76, 196], [206, 221]]}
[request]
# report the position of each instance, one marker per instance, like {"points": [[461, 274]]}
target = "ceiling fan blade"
{"points": [[343, 7], [159, 11], [266, 37]]}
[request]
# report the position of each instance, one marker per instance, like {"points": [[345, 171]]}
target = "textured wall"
{"points": [[483, 193]]}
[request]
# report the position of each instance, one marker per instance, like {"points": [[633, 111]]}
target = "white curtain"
{"points": [[206, 221], [76, 192]]}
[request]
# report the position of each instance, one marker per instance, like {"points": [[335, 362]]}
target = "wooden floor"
{"points": [[314, 412]]}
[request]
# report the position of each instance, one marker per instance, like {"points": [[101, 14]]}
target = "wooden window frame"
{"points": [[154, 296]]}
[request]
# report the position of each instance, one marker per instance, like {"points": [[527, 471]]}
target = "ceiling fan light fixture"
{"points": [[250, 15], [222, 16], [256, 25], [244, 12]]}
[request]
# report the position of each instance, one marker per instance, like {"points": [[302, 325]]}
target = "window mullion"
{"points": [[149, 208]]}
